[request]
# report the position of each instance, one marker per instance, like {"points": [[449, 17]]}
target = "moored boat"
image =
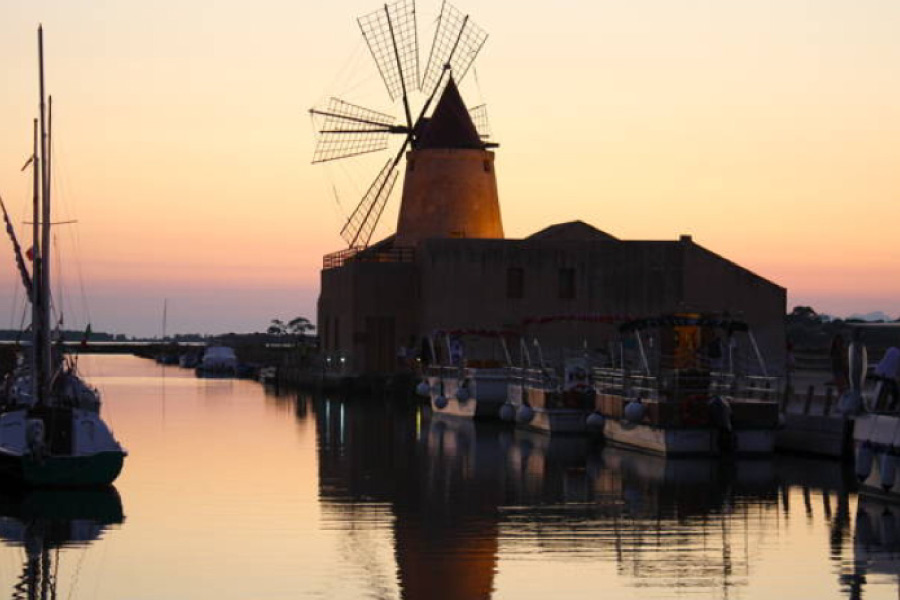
{"points": [[876, 430], [681, 391], [218, 361], [467, 374], [51, 432]]}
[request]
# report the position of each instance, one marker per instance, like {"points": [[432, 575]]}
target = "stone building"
{"points": [[449, 267]]}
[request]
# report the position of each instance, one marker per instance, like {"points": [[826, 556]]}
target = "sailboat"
{"points": [[51, 432]]}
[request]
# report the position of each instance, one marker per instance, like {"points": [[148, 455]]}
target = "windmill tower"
{"points": [[450, 187]]}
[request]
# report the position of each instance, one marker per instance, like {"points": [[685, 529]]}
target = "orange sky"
{"points": [[768, 130]]}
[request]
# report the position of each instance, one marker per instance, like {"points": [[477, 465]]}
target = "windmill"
{"points": [[346, 130]]}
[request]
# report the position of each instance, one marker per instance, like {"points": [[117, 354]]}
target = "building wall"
{"points": [[466, 284], [712, 283], [366, 311]]}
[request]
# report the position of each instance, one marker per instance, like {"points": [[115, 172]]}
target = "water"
{"points": [[230, 491]]}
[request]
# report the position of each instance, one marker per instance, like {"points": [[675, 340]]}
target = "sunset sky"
{"points": [[769, 130]]}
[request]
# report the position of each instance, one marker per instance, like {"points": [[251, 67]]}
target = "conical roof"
{"points": [[450, 126]]}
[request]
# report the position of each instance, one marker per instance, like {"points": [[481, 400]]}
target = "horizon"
{"points": [[182, 144]]}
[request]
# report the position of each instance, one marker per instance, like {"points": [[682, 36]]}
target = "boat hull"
{"points": [[91, 470], [685, 441], [486, 393]]}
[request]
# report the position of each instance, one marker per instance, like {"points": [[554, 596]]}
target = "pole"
{"points": [[36, 270], [45, 235]]}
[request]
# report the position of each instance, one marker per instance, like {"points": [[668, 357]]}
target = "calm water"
{"points": [[233, 492]]}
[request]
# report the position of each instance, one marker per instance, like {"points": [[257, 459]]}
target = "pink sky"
{"points": [[767, 130]]}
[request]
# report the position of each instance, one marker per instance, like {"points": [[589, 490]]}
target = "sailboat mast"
{"points": [[45, 235], [36, 269]]}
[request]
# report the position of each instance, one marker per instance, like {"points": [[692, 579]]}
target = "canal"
{"points": [[233, 491]]}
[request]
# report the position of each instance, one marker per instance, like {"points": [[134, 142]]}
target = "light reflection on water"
{"points": [[234, 492]]}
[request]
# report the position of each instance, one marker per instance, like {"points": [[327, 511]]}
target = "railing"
{"points": [[361, 254], [670, 384]]}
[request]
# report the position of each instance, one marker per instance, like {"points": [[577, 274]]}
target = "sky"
{"points": [[768, 130]]}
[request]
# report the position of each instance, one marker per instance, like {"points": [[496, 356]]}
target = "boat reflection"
{"points": [[466, 497], [876, 545], [45, 521]]}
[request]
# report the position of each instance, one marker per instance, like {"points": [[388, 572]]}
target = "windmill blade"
{"points": [[480, 119], [457, 41], [361, 224], [393, 41], [346, 130]]}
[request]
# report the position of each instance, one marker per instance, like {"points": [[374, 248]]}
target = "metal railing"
{"points": [[361, 254]]}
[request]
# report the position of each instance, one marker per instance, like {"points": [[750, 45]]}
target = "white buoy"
{"points": [[423, 389], [507, 412], [595, 421], [864, 459], [440, 402], [634, 411], [888, 468], [462, 392], [525, 414]]}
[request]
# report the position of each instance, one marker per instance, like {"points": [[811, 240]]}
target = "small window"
{"points": [[487, 166], [567, 284], [411, 165], [515, 282]]}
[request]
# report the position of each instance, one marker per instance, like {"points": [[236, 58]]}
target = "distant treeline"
{"points": [[808, 330]]}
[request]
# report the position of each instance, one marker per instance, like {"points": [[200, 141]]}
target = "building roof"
{"points": [[450, 125], [573, 231]]}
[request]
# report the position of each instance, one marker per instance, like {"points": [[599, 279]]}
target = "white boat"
{"points": [[876, 430], [461, 385], [51, 432], [680, 391], [218, 361], [551, 400]]}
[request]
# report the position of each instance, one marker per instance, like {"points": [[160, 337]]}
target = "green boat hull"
{"points": [[97, 469]]}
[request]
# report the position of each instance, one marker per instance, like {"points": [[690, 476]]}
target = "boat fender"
{"points": [[423, 389], [888, 468], [720, 413], [850, 402], [440, 402], [462, 391], [525, 414], [634, 411], [34, 436], [507, 412], [864, 458], [595, 421]]}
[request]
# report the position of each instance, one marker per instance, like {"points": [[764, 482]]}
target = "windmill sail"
{"points": [[480, 118], [349, 130], [361, 224], [457, 41], [393, 40]]}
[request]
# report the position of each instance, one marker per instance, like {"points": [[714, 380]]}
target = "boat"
{"points": [[218, 361], [467, 372], [551, 399], [876, 429], [51, 431], [554, 397], [683, 384]]}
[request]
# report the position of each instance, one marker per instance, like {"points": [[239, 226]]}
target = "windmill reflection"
{"points": [[463, 493], [45, 521]]}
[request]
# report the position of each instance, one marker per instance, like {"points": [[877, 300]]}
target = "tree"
{"points": [[298, 326], [277, 327]]}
